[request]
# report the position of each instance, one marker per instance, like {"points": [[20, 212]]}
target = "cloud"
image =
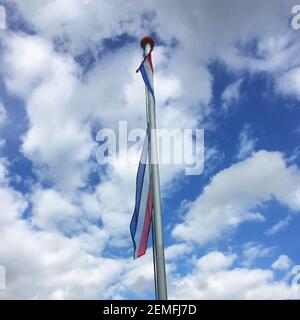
{"points": [[3, 114], [247, 143], [29, 61], [137, 278], [12, 202], [51, 210], [294, 155], [282, 224], [3, 171], [254, 251], [289, 83], [61, 123], [177, 251], [87, 25], [45, 263], [32, 77], [234, 284], [83, 23], [215, 261], [213, 158], [213, 276], [231, 94], [57, 141], [234, 193], [2, 143], [282, 263]]}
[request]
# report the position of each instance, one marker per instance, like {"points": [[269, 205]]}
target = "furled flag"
{"points": [[141, 220]]}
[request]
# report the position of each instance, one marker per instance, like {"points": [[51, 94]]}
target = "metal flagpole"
{"points": [[147, 44], [154, 258], [152, 222]]}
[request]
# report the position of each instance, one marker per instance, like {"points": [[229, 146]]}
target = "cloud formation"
{"points": [[233, 195]]}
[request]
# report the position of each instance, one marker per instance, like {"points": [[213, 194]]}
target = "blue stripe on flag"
{"points": [[146, 80], [143, 209], [139, 188]]}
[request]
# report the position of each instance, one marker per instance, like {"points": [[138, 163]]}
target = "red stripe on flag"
{"points": [[149, 57], [147, 223]]}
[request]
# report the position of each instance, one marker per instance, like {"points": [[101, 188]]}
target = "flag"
{"points": [[146, 69], [141, 220], [142, 216]]}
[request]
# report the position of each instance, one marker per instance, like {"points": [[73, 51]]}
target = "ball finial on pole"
{"points": [[147, 40]]}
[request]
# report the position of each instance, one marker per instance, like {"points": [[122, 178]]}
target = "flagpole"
{"points": [[152, 221], [154, 258], [147, 44]]}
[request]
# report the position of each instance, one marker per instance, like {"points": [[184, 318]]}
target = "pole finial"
{"points": [[147, 40]]}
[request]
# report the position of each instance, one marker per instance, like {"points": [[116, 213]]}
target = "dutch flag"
{"points": [[142, 216]]}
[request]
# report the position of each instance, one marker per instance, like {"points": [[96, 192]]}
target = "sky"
{"points": [[67, 70]]}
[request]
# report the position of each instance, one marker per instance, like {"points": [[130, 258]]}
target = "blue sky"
{"points": [[68, 70]]}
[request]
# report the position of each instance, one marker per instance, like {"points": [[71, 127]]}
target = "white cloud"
{"points": [[57, 141], [213, 158], [254, 251], [12, 202], [247, 143], [35, 69], [282, 263], [28, 62], [79, 22], [12, 205], [214, 277], [294, 155], [137, 277], [177, 251], [282, 224], [289, 83], [231, 94], [51, 210], [45, 263], [59, 126], [88, 24], [3, 171], [2, 143], [83, 23], [215, 261], [236, 284], [50, 266], [233, 193], [3, 114]]}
